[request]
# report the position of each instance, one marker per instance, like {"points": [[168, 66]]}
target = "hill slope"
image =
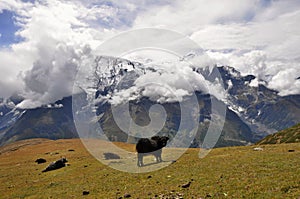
{"points": [[236, 172], [290, 135]]}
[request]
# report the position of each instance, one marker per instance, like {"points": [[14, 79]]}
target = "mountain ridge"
{"points": [[253, 112]]}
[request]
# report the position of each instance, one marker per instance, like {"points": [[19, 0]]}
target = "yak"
{"points": [[152, 146], [56, 165]]}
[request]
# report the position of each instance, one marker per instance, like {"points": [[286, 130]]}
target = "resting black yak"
{"points": [[152, 146], [56, 165]]}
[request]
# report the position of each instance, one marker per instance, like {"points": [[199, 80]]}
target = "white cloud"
{"points": [[286, 82], [44, 65], [52, 78], [172, 81], [265, 48], [254, 36], [188, 16]]}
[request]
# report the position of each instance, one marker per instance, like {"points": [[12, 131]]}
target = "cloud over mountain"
{"points": [[257, 37]]}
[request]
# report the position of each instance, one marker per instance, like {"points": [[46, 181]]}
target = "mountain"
{"points": [[46, 122], [235, 131], [290, 135], [258, 106], [253, 111]]}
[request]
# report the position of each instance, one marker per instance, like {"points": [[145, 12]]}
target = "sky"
{"points": [[43, 42]]}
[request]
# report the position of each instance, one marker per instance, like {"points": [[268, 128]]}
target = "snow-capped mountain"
{"points": [[252, 110], [260, 107], [8, 113]]}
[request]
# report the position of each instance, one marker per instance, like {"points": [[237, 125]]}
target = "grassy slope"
{"points": [[290, 135], [236, 172]]}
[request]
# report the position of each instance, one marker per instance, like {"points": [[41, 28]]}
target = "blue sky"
{"points": [[8, 29]]}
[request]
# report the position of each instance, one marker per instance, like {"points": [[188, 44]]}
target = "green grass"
{"points": [[290, 135], [235, 172]]}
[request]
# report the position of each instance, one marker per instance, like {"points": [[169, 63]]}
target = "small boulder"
{"points": [[186, 185], [258, 149], [84, 193], [127, 195], [40, 160]]}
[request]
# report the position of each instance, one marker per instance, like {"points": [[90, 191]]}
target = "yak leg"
{"points": [[160, 160], [158, 155], [140, 160]]}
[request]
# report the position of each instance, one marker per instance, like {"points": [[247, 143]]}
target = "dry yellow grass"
{"points": [[236, 172]]}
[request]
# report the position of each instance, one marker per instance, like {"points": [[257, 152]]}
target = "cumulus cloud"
{"points": [[44, 65], [286, 82], [265, 47], [52, 78], [167, 81], [256, 37]]}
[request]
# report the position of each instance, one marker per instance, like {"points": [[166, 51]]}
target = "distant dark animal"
{"points": [[56, 165], [40, 160], [152, 146]]}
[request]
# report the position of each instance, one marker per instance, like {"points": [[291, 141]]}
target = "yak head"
{"points": [[161, 140]]}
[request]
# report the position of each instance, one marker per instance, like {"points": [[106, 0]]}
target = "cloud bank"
{"points": [[257, 37], [167, 82]]}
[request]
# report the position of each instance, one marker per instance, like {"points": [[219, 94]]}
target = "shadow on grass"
{"points": [[154, 163]]}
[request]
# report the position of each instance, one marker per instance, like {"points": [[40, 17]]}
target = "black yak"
{"points": [[56, 165], [152, 146]]}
